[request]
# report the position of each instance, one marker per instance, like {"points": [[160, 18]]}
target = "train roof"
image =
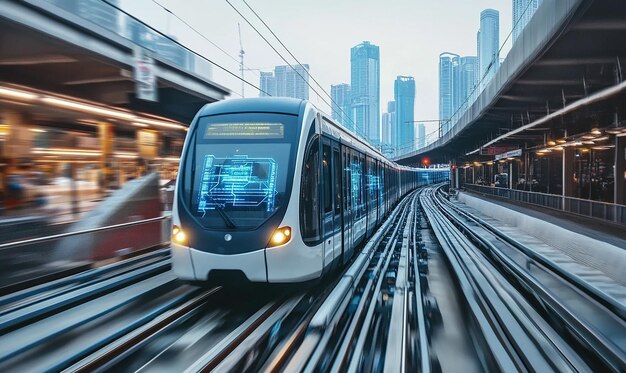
{"points": [[284, 105]]}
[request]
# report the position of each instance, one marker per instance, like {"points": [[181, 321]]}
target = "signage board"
{"points": [[145, 79], [509, 154]]}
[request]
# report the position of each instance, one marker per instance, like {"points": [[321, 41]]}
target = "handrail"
{"points": [[613, 212], [9, 245]]}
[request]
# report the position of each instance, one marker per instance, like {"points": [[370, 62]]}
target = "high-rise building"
{"points": [[292, 81], [447, 68], [365, 86], [488, 42], [268, 84], [523, 11], [404, 95], [457, 79], [465, 79], [341, 104], [389, 132], [421, 135]]}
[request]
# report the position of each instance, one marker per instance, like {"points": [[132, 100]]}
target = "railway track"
{"points": [[135, 315], [530, 313], [375, 315]]}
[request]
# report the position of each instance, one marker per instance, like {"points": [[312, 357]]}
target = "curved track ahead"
{"points": [[533, 315]]}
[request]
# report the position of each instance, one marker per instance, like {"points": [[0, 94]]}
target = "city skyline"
{"points": [[285, 81], [415, 56]]}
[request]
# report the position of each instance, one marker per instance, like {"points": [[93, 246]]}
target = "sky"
{"points": [[410, 33]]}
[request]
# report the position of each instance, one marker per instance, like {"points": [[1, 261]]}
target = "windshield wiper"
{"points": [[225, 217]]}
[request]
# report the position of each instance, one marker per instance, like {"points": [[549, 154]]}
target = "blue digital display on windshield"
{"points": [[238, 181]]}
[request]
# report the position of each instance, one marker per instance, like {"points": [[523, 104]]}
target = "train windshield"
{"points": [[240, 168]]}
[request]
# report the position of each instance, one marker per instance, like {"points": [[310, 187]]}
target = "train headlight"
{"points": [[280, 236], [178, 235]]}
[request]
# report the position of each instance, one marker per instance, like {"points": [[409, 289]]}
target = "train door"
{"points": [[337, 192], [327, 198], [348, 208]]}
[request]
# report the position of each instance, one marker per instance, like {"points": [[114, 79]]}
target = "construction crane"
{"points": [[241, 66]]}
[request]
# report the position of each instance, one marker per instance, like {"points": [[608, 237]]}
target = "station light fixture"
{"points": [[281, 236], [111, 113], [17, 94], [67, 151], [561, 141], [74, 105], [596, 131], [552, 143]]}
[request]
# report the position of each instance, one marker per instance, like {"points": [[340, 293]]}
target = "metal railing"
{"points": [[594, 209]]}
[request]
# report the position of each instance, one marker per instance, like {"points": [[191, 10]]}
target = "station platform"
{"points": [[592, 250]]}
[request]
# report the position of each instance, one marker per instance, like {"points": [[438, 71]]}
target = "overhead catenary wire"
{"points": [[290, 65], [186, 23], [185, 47]]}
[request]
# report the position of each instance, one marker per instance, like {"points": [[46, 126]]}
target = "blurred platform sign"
{"points": [[495, 150], [509, 154], [145, 78]]}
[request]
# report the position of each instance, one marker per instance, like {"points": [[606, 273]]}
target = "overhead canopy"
{"points": [[569, 51], [47, 48]]}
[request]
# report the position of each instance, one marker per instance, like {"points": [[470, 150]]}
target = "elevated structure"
{"points": [[47, 47], [556, 101]]}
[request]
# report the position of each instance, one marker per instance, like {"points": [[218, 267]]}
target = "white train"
{"points": [[272, 190]]}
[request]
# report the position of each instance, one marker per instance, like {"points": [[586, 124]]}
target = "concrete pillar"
{"points": [[569, 163], [105, 132], [20, 138], [620, 170]]}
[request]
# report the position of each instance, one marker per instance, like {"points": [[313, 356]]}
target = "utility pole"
{"points": [[241, 68]]}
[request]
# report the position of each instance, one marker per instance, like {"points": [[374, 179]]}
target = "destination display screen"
{"points": [[244, 130]]}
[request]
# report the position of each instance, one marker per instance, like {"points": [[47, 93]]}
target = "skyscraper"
{"points": [[523, 11], [489, 42], [447, 68], [404, 94], [268, 84], [389, 129], [457, 79], [341, 105], [365, 86], [287, 82], [421, 135], [465, 79]]}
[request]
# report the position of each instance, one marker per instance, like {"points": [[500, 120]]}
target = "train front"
{"points": [[235, 181]]}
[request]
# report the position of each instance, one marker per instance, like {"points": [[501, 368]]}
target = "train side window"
{"points": [[327, 181], [337, 179], [309, 195]]}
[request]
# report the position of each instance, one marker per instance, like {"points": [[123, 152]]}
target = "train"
{"points": [[272, 190]]}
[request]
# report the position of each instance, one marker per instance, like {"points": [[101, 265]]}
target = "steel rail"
{"points": [[118, 350], [598, 295], [607, 350]]}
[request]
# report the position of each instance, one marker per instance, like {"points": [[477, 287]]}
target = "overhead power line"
{"points": [[183, 46], [289, 64]]}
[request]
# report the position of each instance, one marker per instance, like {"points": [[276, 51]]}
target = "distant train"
{"points": [[272, 190]]}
